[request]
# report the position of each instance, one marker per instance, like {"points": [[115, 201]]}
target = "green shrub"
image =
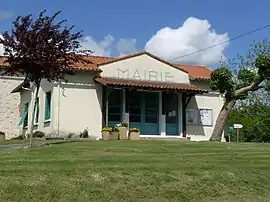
{"points": [[107, 129], [115, 129], [84, 134], [134, 130], [20, 137], [38, 134], [71, 135], [122, 124]]}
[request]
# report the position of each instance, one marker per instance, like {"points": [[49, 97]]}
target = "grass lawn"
{"points": [[137, 171], [6, 142], [25, 141]]}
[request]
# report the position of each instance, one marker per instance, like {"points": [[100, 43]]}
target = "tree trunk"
{"points": [[221, 119], [35, 98]]}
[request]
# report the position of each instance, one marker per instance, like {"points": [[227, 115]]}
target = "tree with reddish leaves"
{"points": [[41, 49]]}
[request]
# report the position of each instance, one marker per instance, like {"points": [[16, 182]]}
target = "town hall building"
{"points": [[160, 98]]}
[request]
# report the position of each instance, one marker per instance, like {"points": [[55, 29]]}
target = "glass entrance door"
{"points": [[150, 113], [170, 109], [143, 111]]}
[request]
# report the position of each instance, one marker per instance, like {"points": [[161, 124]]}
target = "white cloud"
{"points": [[126, 46], [194, 35], [106, 47], [102, 48], [168, 43]]}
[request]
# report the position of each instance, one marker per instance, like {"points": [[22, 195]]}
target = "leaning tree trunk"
{"points": [[35, 98], [221, 119]]}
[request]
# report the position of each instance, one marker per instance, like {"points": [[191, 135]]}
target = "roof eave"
{"points": [[87, 70], [202, 79], [107, 84], [18, 88], [172, 90]]}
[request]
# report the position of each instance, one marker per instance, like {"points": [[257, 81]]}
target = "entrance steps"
{"points": [[163, 138]]}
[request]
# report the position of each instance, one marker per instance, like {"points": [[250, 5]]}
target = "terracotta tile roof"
{"points": [[93, 66], [99, 59], [196, 72], [3, 64], [149, 85]]}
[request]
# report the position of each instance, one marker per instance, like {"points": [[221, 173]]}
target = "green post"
{"points": [[228, 129]]}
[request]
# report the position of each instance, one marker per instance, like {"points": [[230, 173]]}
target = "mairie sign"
{"points": [[145, 75]]}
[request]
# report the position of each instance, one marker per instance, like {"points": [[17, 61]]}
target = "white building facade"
{"points": [[159, 98]]}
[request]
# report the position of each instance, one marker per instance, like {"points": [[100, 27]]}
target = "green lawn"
{"points": [[25, 141], [6, 142], [137, 171]]}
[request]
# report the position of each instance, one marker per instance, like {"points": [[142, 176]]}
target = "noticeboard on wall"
{"points": [[206, 117], [199, 116]]}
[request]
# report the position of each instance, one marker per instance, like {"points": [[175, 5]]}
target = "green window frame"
{"points": [[24, 117], [48, 98], [37, 111]]}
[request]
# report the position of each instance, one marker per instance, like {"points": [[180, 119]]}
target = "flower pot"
{"points": [[114, 136], [2, 137], [106, 135], [123, 133], [134, 135]]}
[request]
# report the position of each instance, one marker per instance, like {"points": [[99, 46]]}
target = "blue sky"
{"points": [[121, 26]]}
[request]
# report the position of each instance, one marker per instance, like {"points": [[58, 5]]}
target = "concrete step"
{"points": [[164, 138]]}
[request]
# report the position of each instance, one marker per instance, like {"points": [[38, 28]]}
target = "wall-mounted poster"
{"points": [[192, 116], [206, 117]]}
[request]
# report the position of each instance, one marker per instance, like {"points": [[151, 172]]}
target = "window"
{"points": [[133, 106], [114, 106], [37, 111], [24, 117], [48, 105]]}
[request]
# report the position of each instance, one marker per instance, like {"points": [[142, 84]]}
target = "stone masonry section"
{"points": [[9, 106]]}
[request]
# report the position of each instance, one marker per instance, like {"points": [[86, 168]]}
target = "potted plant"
{"points": [[2, 136], [106, 132], [123, 130], [134, 134], [114, 134]]}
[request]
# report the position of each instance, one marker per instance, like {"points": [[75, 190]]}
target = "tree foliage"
{"points": [[41, 48], [255, 118], [239, 77], [221, 80]]}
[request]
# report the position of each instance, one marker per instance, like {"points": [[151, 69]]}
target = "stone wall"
{"points": [[9, 106]]}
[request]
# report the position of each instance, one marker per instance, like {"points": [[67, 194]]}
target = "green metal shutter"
{"points": [[48, 106], [37, 111], [24, 114]]}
